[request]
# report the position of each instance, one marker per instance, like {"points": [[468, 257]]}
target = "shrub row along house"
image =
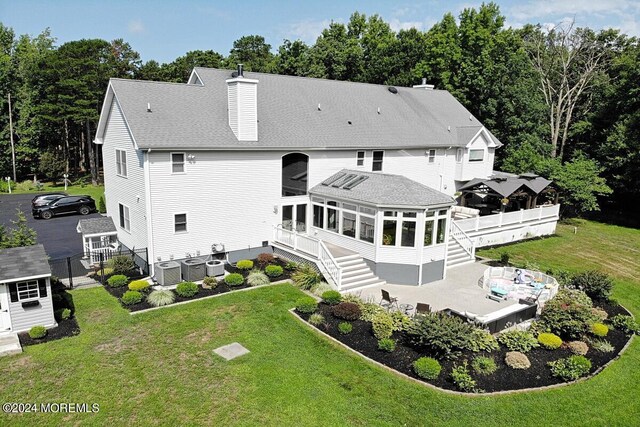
{"points": [[358, 178]]}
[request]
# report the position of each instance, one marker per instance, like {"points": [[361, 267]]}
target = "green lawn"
{"points": [[157, 368], [94, 191]]}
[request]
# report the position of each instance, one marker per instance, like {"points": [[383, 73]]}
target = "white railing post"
{"points": [[521, 215], [477, 222], [500, 219], [540, 213]]}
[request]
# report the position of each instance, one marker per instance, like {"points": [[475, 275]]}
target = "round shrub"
{"points": [[244, 264], [290, 266], [62, 314], [484, 365], [517, 340], [234, 279], [625, 323], [387, 344], [331, 297], [517, 360], [209, 282], [117, 281], [599, 330], [346, 311], [345, 327], [578, 347], [595, 284], [382, 325], [570, 368], [160, 297], [139, 285], [549, 341], [131, 297], [306, 305], [265, 258], [273, 270], [568, 314], [257, 278], [37, 332], [316, 319], [186, 289], [427, 368]]}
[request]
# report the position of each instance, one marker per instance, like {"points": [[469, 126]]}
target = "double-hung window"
{"points": [[121, 163], [177, 162], [180, 223], [377, 160], [360, 158], [432, 156], [125, 221], [476, 155], [28, 290]]}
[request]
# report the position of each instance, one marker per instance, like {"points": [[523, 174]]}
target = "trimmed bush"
{"points": [[331, 297], [427, 368], [369, 310], [484, 365], [346, 311], [387, 344], [517, 360], [316, 319], [244, 264], [602, 346], [305, 277], [549, 341], [626, 324], [444, 335], [139, 285], [62, 314], [306, 305], [345, 328], [186, 289], [481, 340], [106, 271], [517, 340], [382, 325], [462, 378], [37, 332], [599, 313], [578, 347], [568, 314], [117, 281], [209, 282], [273, 270], [570, 368], [131, 297], [234, 279], [599, 329], [121, 264], [257, 278], [265, 258], [595, 284], [504, 258], [160, 298], [290, 266]]}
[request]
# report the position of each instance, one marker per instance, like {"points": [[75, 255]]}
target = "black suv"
{"points": [[83, 205]]}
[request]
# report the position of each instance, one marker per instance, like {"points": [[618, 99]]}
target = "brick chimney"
{"points": [[242, 96]]}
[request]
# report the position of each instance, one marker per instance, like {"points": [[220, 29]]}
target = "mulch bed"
{"points": [[286, 274], [505, 378], [65, 328]]}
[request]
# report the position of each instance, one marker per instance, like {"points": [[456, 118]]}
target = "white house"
{"points": [[356, 177]]}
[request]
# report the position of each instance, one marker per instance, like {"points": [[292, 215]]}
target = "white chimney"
{"points": [[242, 95], [424, 85]]}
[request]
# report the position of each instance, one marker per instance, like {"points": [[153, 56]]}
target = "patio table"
{"points": [[406, 308]]}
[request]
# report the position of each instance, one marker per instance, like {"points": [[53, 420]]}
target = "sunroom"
{"points": [[399, 227]]}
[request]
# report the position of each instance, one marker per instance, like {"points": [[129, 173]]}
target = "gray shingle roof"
{"points": [[506, 184], [28, 261], [195, 116], [385, 190], [96, 226]]}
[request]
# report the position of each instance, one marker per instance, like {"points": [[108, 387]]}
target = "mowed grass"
{"points": [[157, 368], [95, 191]]}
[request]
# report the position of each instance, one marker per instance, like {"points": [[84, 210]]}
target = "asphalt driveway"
{"points": [[58, 234]]}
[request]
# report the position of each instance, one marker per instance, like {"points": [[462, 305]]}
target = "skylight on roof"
{"points": [[333, 179], [354, 183], [339, 183]]}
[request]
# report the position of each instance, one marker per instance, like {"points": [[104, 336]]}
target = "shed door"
{"points": [[5, 317]]}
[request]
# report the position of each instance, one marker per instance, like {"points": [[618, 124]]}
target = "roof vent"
{"points": [[424, 85], [392, 89], [378, 110], [148, 107], [240, 71], [319, 108]]}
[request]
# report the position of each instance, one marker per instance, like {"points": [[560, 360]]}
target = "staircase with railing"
{"points": [[461, 249]]}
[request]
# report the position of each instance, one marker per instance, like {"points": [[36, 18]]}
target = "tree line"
{"points": [[564, 101]]}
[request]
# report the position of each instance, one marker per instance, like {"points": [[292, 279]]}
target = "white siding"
{"points": [[129, 191], [243, 108], [366, 250], [23, 319], [467, 170]]}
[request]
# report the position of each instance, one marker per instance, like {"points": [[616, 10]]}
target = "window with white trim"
{"points": [[435, 227], [180, 223], [125, 220], [360, 158], [432, 156], [121, 163], [459, 154], [177, 162], [28, 290], [378, 156], [476, 155]]}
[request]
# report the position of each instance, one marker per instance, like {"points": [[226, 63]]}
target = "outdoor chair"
{"points": [[387, 301], [422, 308]]}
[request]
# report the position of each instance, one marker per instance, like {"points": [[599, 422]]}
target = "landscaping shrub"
{"points": [[599, 313], [400, 321], [331, 297], [209, 282], [257, 278], [139, 285], [462, 378], [578, 347], [234, 279], [484, 365], [160, 298], [625, 323], [387, 344], [316, 319], [599, 329], [265, 258], [517, 340], [117, 281], [346, 311], [517, 360], [427, 368], [131, 297], [549, 341], [37, 332], [62, 314], [306, 305], [101, 205], [481, 340], [369, 310], [440, 333], [186, 289], [595, 284], [290, 266], [345, 327], [106, 271], [273, 270], [382, 325], [244, 264], [321, 288], [568, 314], [121, 264], [602, 346], [504, 258], [305, 277], [570, 368]]}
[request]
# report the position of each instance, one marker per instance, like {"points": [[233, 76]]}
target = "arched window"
{"points": [[294, 174]]}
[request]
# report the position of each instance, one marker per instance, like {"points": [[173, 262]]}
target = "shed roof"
{"points": [[23, 262], [102, 225], [506, 184], [380, 190]]}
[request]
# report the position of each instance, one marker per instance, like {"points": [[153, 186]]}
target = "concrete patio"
{"points": [[458, 291]]}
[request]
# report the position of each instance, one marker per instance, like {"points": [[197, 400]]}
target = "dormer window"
{"points": [[476, 155]]}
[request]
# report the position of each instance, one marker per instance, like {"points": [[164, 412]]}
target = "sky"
{"points": [[164, 29]]}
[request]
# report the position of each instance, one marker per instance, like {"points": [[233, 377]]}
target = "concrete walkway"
{"points": [[9, 344], [458, 291]]}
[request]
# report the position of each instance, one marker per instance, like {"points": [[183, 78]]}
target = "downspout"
{"points": [[421, 247], [149, 219]]}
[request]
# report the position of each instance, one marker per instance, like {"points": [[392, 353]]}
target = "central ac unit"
{"points": [[193, 269], [168, 273]]}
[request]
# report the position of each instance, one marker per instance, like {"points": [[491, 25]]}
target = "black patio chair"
{"points": [[388, 301], [422, 308]]}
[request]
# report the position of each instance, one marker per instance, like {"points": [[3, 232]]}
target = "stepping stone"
{"points": [[231, 351]]}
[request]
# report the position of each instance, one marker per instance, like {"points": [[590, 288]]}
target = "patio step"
{"points": [[356, 271], [456, 255], [351, 262], [9, 344], [375, 281]]}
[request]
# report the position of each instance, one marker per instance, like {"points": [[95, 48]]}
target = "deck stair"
{"points": [[460, 248]]}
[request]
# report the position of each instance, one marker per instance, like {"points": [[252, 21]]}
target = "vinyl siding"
{"points": [[129, 191], [468, 170], [22, 319]]}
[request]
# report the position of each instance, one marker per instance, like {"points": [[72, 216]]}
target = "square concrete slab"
{"points": [[231, 351]]}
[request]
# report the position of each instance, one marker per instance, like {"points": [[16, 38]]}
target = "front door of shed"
{"points": [[5, 317]]}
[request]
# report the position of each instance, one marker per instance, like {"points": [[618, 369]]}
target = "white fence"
{"points": [[505, 219]]}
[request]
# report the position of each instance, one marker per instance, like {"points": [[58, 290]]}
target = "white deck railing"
{"points": [[458, 234], [542, 213]]}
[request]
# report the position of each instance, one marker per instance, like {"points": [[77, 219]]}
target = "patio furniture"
{"points": [[406, 308], [422, 308], [387, 301]]}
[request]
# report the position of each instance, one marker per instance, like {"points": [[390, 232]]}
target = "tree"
{"points": [[180, 69], [253, 52], [293, 59], [51, 165], [20, 235]]}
